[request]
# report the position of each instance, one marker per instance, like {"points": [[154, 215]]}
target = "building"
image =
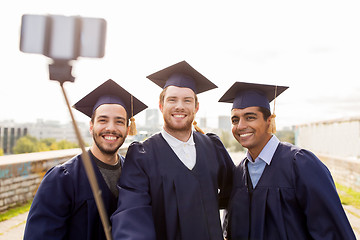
{"points": [[11, 131], [224, 123], [203, 122], [152, 118]]}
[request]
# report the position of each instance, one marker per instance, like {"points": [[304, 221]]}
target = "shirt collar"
{"points": [[268, 151], [174, 142]]}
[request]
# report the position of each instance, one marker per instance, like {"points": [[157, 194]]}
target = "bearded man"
{"points": [[64, 206], [175, 182]]}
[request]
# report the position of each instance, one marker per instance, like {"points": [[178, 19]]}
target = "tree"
{"points": [[26, 144], [236, 146], [286, 136], [230, 143], [48, 141], [225, 138], [65, 144]]}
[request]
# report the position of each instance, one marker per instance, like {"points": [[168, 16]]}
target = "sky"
{"points": [[311, 46]]}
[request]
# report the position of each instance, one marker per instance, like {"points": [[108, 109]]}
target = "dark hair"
{"points": [[266, 112]]}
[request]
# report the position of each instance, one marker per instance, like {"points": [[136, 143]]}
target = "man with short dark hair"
{"points": [[64, 206], [175, 182], [280, 191]]}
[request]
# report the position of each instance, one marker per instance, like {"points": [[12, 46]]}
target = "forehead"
{"points": [[173, 91], [111, 110], [249, 110]]}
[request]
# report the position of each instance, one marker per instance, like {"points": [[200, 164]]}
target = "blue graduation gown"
{"points": [[295, 198], [64, 206], [160, 198]]}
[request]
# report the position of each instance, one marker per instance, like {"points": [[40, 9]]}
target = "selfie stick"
{"points": [[61, 69], [63, 39]]}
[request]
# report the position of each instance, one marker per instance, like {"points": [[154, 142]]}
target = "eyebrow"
{"points": [[105, 116], [187, 97], [245, 114], [250, 113]]}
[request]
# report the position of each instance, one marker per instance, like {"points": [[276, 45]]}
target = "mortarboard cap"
{"points": [[244, 95], [110, 93], [182, 75]]}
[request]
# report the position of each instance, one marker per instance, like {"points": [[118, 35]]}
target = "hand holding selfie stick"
{"points": [[58, 37]]}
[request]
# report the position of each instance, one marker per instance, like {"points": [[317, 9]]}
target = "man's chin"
{"points": [[108, 150], [180, 128]]}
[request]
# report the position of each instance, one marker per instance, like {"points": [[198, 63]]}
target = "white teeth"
{"points": [[179, 116], [110, 138], [245, 134]]}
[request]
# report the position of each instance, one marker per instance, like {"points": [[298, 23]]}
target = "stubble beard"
{"points": [[107, 151], [187, 127]]}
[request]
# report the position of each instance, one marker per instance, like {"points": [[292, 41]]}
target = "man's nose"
{"points": [[241, 124], [179, 105], [110, 126]]}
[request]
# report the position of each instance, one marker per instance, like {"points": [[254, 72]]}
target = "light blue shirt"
{"points": [[256, 168]]}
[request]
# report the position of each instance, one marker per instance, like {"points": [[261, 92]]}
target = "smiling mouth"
{"points": [[179, 115], [246, 134], [110, 138]]}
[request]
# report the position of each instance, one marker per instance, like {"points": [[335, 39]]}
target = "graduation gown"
{"points": [[64, 206], [295, 198], [160, 198]]}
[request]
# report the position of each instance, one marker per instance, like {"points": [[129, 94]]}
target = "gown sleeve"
{"points": [[225, 176], [317, 195], [51, 206], [133, 218]]}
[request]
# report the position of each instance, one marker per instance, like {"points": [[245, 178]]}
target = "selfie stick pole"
{"points": [[88, 168]]}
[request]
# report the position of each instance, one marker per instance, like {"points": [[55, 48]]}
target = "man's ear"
{"points": [[268, 120], [160, 107], [91, 127], [197, 107]]}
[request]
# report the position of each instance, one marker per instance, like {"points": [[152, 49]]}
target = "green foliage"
{"points": [[48, 141], [236, 146], [15, 211], [28, 144], [225, 138], [230, 142], [348, 196], [1, 152], [286, 136], [64, 144]]}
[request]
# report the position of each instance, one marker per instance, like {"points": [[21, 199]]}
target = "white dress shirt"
{"points": [[185, 151]]}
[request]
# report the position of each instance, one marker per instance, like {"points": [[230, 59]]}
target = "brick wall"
{"points": [[21, 174], [344, 171]]}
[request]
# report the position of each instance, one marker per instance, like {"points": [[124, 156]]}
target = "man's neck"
{"points": [[110, 159], [255, 151], [182, 135]]}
